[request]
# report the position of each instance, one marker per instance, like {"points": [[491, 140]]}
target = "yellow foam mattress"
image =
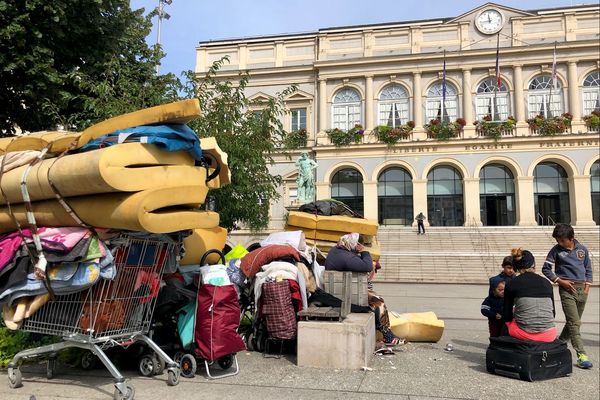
{"points": [[210, 145], [129, 167], [202, 240], [336, 223], [324, 246], [155, 210], [417, 327], [178, 112], [331, 236]]}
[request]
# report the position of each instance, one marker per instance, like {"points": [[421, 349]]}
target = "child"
{"points": [[508, 271], [493, 305]]}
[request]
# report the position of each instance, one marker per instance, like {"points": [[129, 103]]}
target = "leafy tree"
{"points": [[75, 63], [250, 139]]}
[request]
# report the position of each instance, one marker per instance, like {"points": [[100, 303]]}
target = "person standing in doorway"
{"points": [[568, 265], [420, 226]]}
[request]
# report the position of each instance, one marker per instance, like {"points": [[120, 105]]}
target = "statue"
{"points": [[305, 180]]}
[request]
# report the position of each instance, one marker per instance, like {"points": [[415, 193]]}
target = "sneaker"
{"points": [[583, 361]]}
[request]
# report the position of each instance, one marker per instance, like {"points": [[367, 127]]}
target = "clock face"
{"points": [[489, 21]]}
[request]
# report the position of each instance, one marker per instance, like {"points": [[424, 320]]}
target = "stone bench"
{"points": [[328, 344]]}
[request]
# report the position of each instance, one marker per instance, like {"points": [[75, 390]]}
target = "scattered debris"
{"points": [[366, 369], [449, 347]]}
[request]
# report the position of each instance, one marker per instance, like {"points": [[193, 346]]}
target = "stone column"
{"points": [[279, 54], [525, 201], [580, 199], [519, 111], [322, 104], [468, 104], [471, 200], [420, 199], [369, 103], [370, 200], [574, 103], [417, 106], [322, 190]]}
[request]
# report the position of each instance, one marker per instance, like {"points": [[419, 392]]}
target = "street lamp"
{"points": [[161, 14]]}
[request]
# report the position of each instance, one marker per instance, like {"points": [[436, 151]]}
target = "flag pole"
{"points": [[553, 86], [443, 88], [498, 81]]}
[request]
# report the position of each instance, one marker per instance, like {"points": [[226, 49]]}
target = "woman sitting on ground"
{"points": [[529, 302], [350, 255]]}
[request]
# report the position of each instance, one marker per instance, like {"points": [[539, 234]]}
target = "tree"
{"points": [[250, 139], [75, 63]]}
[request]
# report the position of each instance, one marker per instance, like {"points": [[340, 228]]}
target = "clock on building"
{"points": [[489, 21]]}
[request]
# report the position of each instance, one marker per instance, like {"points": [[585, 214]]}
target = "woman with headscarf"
{"points": [[529, 302], [349, 255]]}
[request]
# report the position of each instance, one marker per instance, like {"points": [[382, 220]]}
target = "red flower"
{"points": [[461, 121]]}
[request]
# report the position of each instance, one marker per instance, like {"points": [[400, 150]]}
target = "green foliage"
{"points": [[494, 129], [250, 140], [550, 126], [296, 139], [11, 342], [340, 137], [592, 121], [443, 130], [391, 136], [75, 63]]}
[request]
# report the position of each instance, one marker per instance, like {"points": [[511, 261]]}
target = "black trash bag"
{"points": [[328, 207]]}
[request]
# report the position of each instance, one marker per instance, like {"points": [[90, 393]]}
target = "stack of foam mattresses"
{"points": [[133, 186], [325, 231]]}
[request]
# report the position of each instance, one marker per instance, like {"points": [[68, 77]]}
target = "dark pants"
{"points": [[420, 227], [495, 326]]}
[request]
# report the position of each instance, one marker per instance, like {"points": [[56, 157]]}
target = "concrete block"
{"points": [[347, 345]]}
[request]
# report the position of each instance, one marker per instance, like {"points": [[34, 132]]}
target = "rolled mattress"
{"points": [[160, 210], [202, 240], [336, 223], [128, 167]]}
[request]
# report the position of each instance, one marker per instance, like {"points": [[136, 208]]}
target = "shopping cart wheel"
{"points": [[178, 356], [14, 378], [160, 365], [188, 366], [88, 360], [128, 395], [225, 362], [50, 367], [173, 376], [250, 342], [147, 365]]}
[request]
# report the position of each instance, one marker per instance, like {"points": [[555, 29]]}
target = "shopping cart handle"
{"points": [[211, 251]]}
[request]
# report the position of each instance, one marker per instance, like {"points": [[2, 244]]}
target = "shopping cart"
{"points": [[114, 312]]}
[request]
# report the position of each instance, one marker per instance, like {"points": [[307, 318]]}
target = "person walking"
{"points": [[568, 265], [420, 226]]}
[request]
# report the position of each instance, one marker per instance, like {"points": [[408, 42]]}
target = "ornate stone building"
{"points": [[501, 172]]}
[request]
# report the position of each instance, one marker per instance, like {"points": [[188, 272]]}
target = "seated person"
{"points": [[350, 255], [529, 302]]}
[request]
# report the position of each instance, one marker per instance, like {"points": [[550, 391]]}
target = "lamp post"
{"points": [[161, 14]]}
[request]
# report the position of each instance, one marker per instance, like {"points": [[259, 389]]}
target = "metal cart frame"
{"points": [[114, 312]]}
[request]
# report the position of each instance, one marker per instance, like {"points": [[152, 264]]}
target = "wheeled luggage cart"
{"points": [[110, 313]]}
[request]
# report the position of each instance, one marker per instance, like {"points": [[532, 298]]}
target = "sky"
{"points": [[194, 21]]}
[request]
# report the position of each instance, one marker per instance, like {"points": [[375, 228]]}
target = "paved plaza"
{"points": [[416, 371]]}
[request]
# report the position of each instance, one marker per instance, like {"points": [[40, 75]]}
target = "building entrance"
{"points": [[549, 206], [495, 211]]}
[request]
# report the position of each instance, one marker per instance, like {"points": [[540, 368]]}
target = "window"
{"points": [[346, 109], [595, 181], [551, 194], [394, 194], [298, 118], [347, 187], [445, 204], [543, 98], [492, 100], [496, 195], [393, 106], [434, 102], [591, 93]]}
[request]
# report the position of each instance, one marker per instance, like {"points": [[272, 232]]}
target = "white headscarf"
{"points": [[349, 241]]}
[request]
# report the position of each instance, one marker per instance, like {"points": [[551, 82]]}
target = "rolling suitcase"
{"points": [[529, 361]]}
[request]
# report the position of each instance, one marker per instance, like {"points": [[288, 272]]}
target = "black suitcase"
{"points": [[529, 361]]}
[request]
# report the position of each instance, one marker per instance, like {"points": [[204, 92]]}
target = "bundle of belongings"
{"points": [[325, 221], [66, 194]]}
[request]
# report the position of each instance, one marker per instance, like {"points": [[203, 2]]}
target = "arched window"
{"points": [[492, 100], [543, 98], [551, 194], [595, 173], [394, 194], [393, 106], [496, 195], [346, 109], [434, 102], [591, 93], [445, 205], [347, 187]]}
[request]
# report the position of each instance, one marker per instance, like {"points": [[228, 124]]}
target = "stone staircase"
{"points": [[467, 254]]}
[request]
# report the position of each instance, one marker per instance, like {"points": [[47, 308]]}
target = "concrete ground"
{"points": [[417, 371]]}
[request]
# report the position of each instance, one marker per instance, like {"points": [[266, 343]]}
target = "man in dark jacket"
{"points": [[420, 224]]}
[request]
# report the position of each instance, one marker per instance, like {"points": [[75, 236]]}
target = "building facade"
{"points": [[515, 91]]}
